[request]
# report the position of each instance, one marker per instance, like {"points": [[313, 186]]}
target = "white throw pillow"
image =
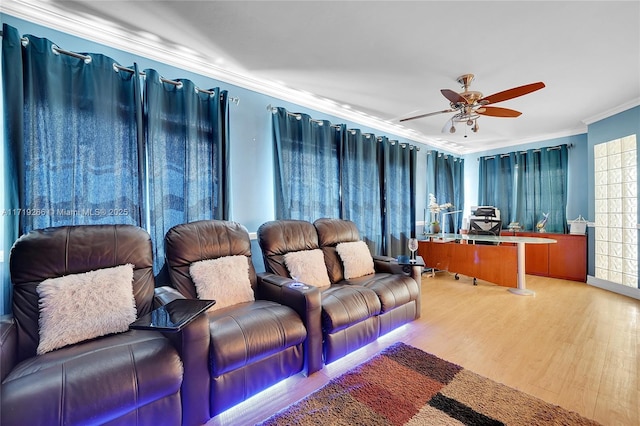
{"points": [[79, 307], [225, 280], [356, 259], [307, 266]]}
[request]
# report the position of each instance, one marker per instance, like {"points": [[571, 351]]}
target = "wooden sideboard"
{"points": [[566, 259]]}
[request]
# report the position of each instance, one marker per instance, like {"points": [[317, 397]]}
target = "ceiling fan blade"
{"points": [[498, 112], [511, 93], [427, 115], [454, 97]]}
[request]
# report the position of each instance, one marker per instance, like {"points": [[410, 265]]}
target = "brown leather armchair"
{"points": [[254, 344], [357, 311], [124, 378]]}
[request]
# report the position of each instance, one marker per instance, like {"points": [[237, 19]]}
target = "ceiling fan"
{"points": [[470, 105]]}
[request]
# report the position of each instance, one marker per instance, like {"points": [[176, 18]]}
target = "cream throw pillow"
{"points": [[225, 280], [79, 307], [356, 259], [307, 266]]}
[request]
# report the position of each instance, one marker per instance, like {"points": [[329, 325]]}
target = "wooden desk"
{"points": [[502, 264]]}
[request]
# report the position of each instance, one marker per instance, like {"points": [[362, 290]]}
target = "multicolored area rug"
{"points": [[403, 385]]}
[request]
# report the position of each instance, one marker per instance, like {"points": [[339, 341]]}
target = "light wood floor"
{"points": [[571, 344]]}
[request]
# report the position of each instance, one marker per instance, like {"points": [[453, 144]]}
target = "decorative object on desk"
{"points": [[413, 246], [434, 228], [541, 224], [435, 210], [514, 227], [404, 385], [578, 226]]}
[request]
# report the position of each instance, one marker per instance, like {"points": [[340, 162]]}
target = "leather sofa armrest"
{"points": [[165, 294], [306, 301], [8, 345], [385, 264], [192, 344]]}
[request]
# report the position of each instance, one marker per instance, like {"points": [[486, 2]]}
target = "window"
{"points": [[616, 211]]}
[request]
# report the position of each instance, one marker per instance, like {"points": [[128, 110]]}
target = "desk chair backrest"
{"points": [[485, 226]]}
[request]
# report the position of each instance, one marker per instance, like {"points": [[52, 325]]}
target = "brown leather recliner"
{"points": [[254, 344], [132, 377], [399, 294], [355, 312]]}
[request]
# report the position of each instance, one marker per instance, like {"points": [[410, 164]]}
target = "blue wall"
{"points": [[251, 150]]}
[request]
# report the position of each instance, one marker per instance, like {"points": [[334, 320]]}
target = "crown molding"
{"points": [[539, 138], [612, 111]]}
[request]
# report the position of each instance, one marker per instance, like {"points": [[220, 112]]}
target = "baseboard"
{"points": [[614, 287]]}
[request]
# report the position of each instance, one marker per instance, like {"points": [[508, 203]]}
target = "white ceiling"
{"points": [[389, 59]]}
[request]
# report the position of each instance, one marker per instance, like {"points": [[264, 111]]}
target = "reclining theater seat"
{"points": [[122, 378], [399, 294], [254, 343], [349, 312]]}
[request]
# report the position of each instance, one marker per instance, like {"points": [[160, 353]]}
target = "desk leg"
{"points": [[522, 287]]}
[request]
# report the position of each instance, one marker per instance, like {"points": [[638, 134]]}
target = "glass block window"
{"points": [[616, 189]]}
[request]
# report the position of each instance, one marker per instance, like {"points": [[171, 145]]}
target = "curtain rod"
{"points": [[551, 148], [273, 110], [166, 80], [440, 154], [86, 58], [299, 116]]}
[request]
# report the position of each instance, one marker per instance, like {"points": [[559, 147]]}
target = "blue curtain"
{"points": [[12, 83], [525, 211], [542, 188], [325, 170], [77, 156], [445, 180], [306, 167], [187, 152], [445, 190], [399, 195], [361, 186], [496, 184], [458, 193]]}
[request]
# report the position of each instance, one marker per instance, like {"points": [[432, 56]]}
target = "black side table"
{"points": [[172, 317], [407, 263]]}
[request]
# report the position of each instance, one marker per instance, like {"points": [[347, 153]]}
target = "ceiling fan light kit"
{"points": [[470, 104]]}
